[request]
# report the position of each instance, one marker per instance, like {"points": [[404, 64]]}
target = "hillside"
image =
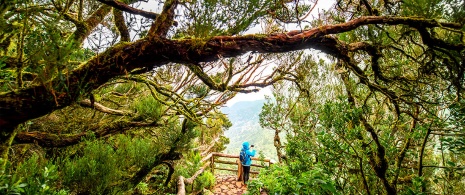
{"points": [[244, 117]]}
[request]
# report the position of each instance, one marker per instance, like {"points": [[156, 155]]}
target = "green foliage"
{"points": [[142, 187], [123, 88], [450, 9], [191, 164], [199, 90], [148, 107], [418, 184], [10, 184], [94, 170], [6, 76], [102, 165], [278, 179], [230, 18], [205, 180], [33, 176], [339, 115], [405, 81]]}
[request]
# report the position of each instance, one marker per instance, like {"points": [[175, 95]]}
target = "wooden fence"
{"points": [[210, 160]]}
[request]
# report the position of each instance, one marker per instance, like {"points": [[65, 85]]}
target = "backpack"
{"points": [[243, 156]]}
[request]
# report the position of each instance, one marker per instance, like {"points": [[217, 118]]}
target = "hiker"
{"points": [[246, 160]]}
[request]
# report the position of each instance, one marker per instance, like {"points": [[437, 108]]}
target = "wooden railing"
{"points": [[210, 160]]}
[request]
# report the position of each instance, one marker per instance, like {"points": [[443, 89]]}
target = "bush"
{"points": [[188, 168], [277, 179], [206, 180], [31, 177], [148, 107], [93, 171], [102, 167]]}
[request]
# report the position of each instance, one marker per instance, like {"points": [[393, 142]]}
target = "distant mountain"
{"points": [[245, 119]]}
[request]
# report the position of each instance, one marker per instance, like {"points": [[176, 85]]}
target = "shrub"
{"points": [[102, 167], [148, 107], [277, 179], [31, 177], [206, 180]]}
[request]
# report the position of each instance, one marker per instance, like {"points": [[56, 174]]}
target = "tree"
{"points": [[404, 58], [377, 119]]}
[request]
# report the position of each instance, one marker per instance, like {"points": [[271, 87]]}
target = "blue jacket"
{"points": [[246, 147]]}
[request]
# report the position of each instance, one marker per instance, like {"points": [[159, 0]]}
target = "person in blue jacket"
{"points": [[248, 160]]}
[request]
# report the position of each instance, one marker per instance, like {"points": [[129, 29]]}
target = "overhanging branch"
{"points": [[63, 140], [21, 105]]}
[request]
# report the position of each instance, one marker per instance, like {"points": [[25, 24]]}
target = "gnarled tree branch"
{"points": [[19, 106]]}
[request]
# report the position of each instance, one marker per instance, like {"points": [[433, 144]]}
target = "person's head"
{"points": [[246, 145]]}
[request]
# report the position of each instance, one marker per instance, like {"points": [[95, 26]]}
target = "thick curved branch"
{"points": [[63, 140], [21, 105], [126, 8]]}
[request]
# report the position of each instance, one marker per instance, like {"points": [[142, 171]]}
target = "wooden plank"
{"points": [[226, 169], [225, 162], [235, 163], [235, 170], [237, 156], [257, 165]]}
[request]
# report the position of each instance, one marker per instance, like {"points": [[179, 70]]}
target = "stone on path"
{"points": [[228, 185]]}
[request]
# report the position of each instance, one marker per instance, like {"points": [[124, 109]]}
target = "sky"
{"points": [[321, 5]]}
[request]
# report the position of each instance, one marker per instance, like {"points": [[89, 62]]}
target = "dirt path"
{"points": [[227, 185]]}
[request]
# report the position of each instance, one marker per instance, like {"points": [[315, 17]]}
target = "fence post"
{"points": [[239, 170]]}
